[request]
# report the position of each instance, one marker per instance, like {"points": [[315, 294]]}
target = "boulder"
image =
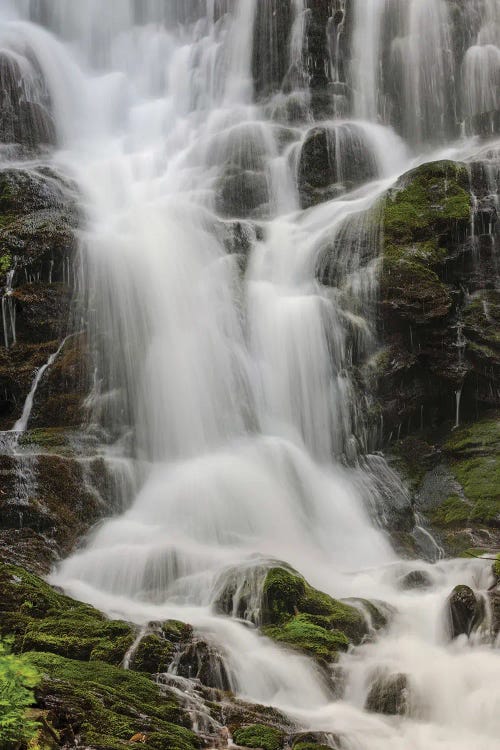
{"points": [[389, 694], [334, 159], [465, 611]]}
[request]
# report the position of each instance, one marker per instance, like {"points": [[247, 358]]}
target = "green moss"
{"points": [[452, 511], [153, 654], [259, 736], [300, 616], [50, 438], [104, 704], [474, 453], [480, 437], [496, 566], [480, 477], [42, 619], [427, 201], [311, 634], [96, 701], [5, 262], [310, 746], [286, 594], [427, 208]]}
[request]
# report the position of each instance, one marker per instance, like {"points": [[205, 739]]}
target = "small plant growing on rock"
{"points": [[17, 680]]}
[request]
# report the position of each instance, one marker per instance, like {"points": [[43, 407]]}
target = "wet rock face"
{"points": [[466, 611], [25, 117], [416, 579], [202, 661], [439, 340], [453, 476], [243, 193], [389, 695], [38, 219], [273, 24], [40, 472], [332, 161]]}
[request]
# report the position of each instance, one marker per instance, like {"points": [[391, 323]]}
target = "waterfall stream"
{"points": [[219, 349]]}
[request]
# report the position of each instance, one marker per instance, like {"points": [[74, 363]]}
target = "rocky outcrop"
{"points": [[334, 159], [303, 618], [437, 303], [26, 122], [389, 695], [465, 610], [38, 219], [85, 697]]}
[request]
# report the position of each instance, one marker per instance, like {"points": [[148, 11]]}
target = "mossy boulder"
{"points": [[156, 650], [426, 213], [259, 736], [296, 614], [314, 741], [84, 693], [100, 705], [42, 619]]}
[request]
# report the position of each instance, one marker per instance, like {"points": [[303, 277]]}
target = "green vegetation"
{"points": [[428, 206], [5, 262], [475, 461], [40, 619], [296, 614], [106, 705], [311, 634], [259, 736], [496, 566], [18, 677], [76, 651], [452, 511]]}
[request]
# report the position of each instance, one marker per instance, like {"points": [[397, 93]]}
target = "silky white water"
{"points": [[232, 373]]}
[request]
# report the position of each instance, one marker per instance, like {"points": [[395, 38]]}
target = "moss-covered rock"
{"points": [[296, 614], [312, 634], [428, 209], [154, 653], [88, 698], [474, 455], [42, 619], [259, 736], [438, 341], [104, 706]]}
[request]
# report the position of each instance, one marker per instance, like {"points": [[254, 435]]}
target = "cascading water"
{"points": [[218, 348]]}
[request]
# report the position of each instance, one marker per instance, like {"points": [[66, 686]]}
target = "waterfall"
{"points": [[229, 294]]}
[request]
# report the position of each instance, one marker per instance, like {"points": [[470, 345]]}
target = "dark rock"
{"points": [[389, 694], [465, 610], [332, 160], [494, 597], [243, 194], [203, 661], [25, 116], [416, 579], [272, 27]]}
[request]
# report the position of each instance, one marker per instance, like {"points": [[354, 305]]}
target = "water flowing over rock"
{"points": [[249, 269]]}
